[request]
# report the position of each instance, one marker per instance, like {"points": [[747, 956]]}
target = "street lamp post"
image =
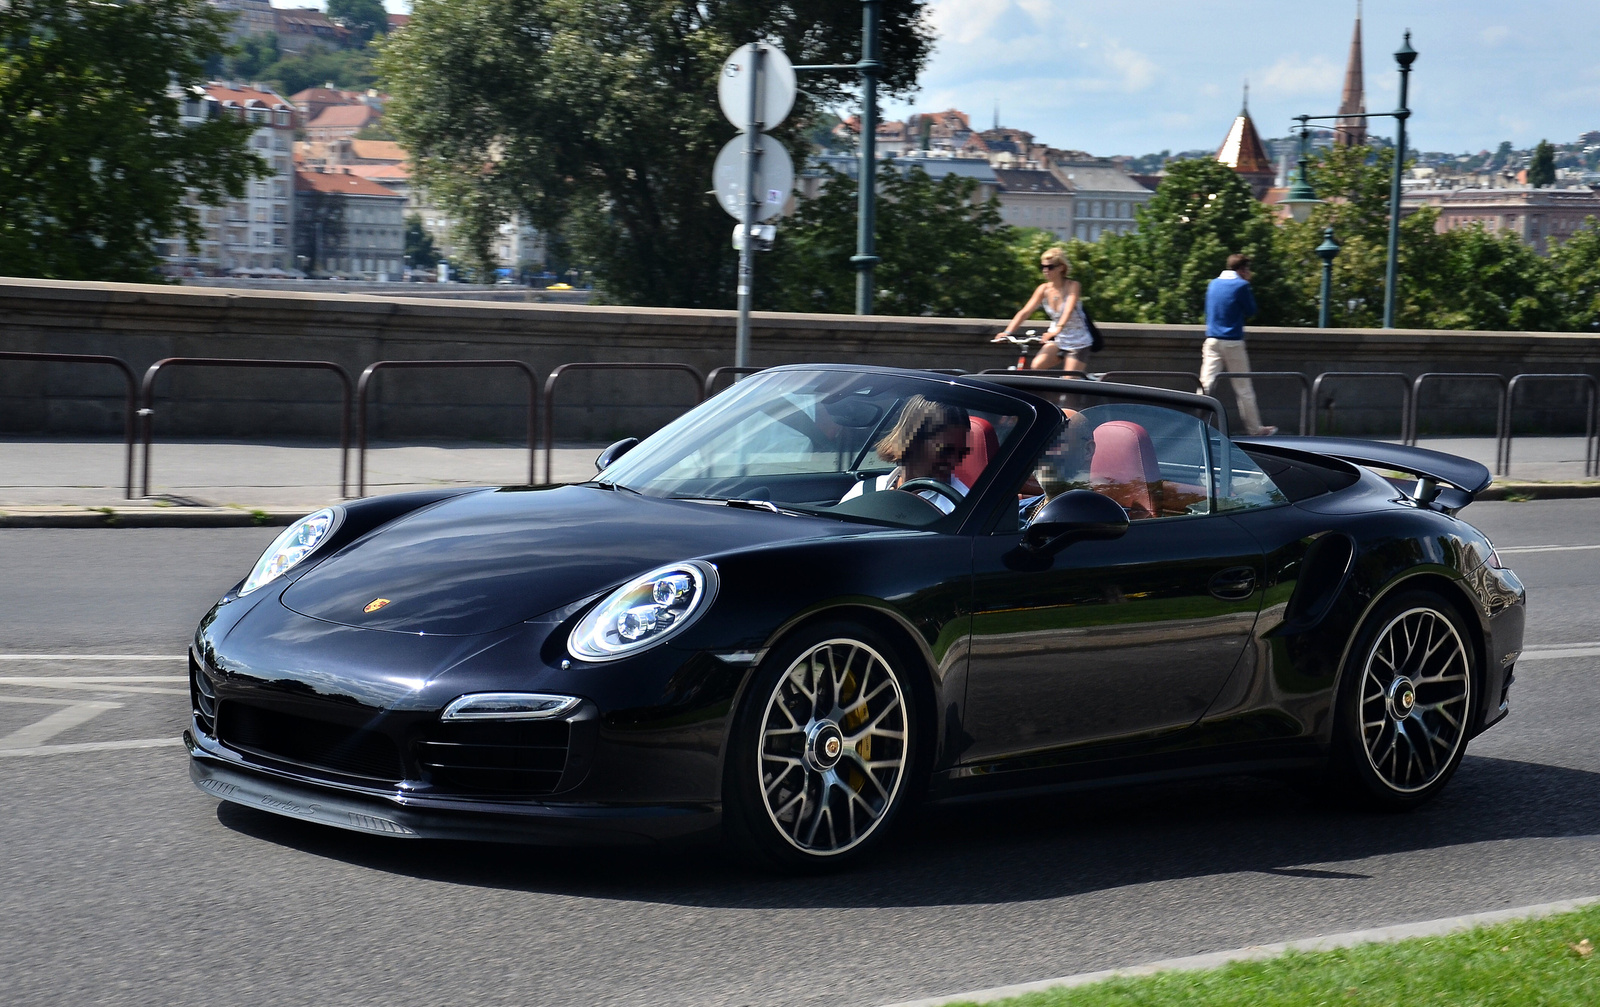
{"points": [[866, 257], [1326, 252], [1404, 57]]}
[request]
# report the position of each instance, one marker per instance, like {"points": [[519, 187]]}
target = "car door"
{"points": [[1112, 641]]}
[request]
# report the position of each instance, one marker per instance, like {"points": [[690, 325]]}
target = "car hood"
{"points": [[477, 563]]}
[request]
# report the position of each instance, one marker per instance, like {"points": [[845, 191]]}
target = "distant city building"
{"points": [[341, 122], [313, 100], [1035, 198], [300, 28], [1243, 151], [252, 235], [1541, 218], [1105, 198], [1351, 131], [349, 226], [251, 17]]}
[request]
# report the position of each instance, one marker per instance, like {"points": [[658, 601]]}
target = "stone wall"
{"points": [[144, 323]]}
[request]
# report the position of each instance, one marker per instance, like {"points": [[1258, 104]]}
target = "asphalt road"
{"points": [[121, 883]]}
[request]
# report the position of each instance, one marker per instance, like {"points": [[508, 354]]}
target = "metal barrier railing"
{"points": [[1047, 372], [1500, 411], [366, 379], [1305, 388], [1591, 456], [550, 396], [737, 372], [132, 410], [1405, 394], [1135, 377], [148, 412]]}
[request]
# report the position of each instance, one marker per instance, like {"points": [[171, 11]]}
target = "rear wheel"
{"points": [[1406, 701], [822, 752]]}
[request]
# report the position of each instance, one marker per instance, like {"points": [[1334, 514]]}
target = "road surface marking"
{"points": [[91, 657], [92, 746], [66, 719], [1557, 651]]}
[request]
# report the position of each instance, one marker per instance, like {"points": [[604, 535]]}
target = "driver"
{"points": [[927, 442], [1064, 465]]}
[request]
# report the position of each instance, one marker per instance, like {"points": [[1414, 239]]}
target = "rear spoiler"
{"points": [[1462, 478]]}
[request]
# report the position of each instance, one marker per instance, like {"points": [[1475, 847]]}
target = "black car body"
{"points": [[1245, 622]]}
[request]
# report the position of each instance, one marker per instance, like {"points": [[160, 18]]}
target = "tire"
{"points": [[822, 756], [1407, 700]]}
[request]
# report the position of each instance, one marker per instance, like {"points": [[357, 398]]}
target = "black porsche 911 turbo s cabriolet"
{"points": [[831, 591]]}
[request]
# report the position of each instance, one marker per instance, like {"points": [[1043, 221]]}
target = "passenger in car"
{"points": [[1064, 465], [927, 442]]}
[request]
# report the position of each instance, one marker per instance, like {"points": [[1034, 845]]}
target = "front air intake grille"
{"points": [[509, 759], [202, 697], [319, 744]]}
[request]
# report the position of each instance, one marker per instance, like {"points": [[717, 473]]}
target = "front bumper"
{"points": [[221, 774]]}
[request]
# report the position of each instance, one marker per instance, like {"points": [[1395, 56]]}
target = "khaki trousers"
{"points": [[1218, 355]]}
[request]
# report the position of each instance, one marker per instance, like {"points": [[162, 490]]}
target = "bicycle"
{"points": [[1027, 345]]}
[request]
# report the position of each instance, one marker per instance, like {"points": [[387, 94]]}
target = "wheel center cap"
{"points": [[824, 745], [1402, 698]]}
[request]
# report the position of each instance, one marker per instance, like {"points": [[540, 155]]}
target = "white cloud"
{"points": [[1294, 76], [1494, 34]]}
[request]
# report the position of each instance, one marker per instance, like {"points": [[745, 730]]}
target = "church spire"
{"points": [[1352, 132]]}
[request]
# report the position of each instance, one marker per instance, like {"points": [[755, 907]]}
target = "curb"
{"points": [[1541, 491], [1404, 931], [146, 517]]}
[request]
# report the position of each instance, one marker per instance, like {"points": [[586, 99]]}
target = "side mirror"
{"points": [[614, 452], [1074, 516]]}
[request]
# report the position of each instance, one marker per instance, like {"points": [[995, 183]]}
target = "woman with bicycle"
{"points": [[1067, 341]]}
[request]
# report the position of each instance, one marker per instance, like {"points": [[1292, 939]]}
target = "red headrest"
{"points": [[1124, 465], [982, 444]]}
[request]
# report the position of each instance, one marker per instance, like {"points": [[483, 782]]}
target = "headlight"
{"points": [[298, 541], [644, 612]]}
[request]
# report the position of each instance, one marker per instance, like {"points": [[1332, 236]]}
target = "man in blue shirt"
{"points": [[1228, 303]]}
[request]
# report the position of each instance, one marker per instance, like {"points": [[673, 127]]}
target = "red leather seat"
{"points": [[1124, 467], [982, 444]]}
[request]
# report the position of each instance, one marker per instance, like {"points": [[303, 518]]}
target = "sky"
{"points": [[1140, 76]]}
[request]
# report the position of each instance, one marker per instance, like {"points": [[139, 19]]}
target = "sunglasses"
{"points": [[1045, 267], [946, 451]]}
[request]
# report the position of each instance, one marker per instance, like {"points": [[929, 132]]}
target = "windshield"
{"points": [[829, 442]]}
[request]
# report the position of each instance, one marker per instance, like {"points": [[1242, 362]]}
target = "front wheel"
{"points": [[1406, 702], [822, 750]]}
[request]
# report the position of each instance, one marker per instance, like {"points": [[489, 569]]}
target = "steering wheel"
{"points": [[945, 490]]}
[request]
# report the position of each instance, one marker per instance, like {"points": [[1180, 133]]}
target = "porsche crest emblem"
{"points": [[375, 604]]}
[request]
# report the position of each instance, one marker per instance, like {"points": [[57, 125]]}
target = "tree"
{"points": [[1542, 170], [598, 120], [1202, 213], [95, 157], [1575, 278], [257, 57], [364, 18], [318, 229], [419, 244], [942, 253]]}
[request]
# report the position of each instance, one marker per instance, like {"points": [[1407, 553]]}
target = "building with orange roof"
{"points": [[252, 234], [341, 122], [350, 226]]}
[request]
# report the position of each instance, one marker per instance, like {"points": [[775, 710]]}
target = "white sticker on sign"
{"points": [[774, 196]]}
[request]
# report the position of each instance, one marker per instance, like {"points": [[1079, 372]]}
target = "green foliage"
{"points": [[1542, 170], [375, 130], [598, 120], [942, 254], [419, 244], [257, 57], [364, 18], [1202, 212], [1547, 962], [95, 160], [1575, 279]]}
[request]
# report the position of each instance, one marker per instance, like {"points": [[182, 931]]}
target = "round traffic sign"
{"points": [[774, 177], [774, 89]]}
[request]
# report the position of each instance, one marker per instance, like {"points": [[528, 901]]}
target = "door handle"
{"points": [[1233, 584]]}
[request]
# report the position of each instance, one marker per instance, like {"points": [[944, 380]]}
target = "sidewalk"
{"points": [[74, 482]]}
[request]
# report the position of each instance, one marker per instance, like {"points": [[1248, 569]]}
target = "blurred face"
{"points": [[1067, 461], [937, 455]]}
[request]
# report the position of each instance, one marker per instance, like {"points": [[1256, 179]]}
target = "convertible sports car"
{"points": [[831, 591]]}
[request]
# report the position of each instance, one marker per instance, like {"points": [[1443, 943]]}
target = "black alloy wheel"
{"points": [[822, 759], [1407, 701]]}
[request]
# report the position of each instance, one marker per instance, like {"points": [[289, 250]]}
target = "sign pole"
{"points": [[866, 257], [747, 258]]}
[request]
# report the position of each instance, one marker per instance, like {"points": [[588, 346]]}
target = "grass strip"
{"points": [[1548, 962]]}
